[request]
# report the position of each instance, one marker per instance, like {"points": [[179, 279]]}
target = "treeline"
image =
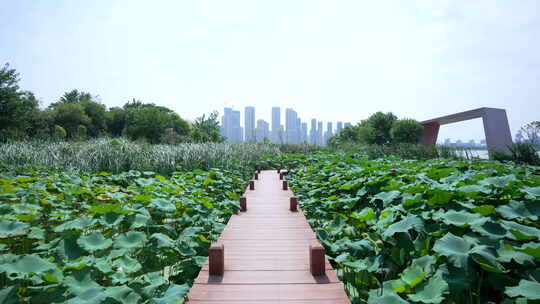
{"points": [[79, 115], [380, 129]]}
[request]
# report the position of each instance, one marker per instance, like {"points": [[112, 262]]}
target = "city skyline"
{"points": [[294, 130]]}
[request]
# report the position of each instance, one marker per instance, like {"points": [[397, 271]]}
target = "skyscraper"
{"points": [[291, 126], [262, 130], [320, 133], [329, 133], [347, 124], [304, 132], [276, 124], [226, 124], [313, 132], [236, 129], [249, 123], [339, 127]]}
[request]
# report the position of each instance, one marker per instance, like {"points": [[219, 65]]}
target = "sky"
{"points": [[336, 60]]}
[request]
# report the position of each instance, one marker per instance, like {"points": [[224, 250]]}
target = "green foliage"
{"points": [[406, 131], [436, 231], [119, 155], [206, 129], [134, 237], [17, 107], [376, 129], [520, 152], [59, 133]]}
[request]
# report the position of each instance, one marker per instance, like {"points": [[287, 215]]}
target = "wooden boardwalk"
{"points": [[266, 255]]}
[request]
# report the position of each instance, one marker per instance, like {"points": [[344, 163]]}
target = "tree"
{"points": [[17, 107], [406, 131], [206, 129], [116, 121], [70, 116], [96, 123], [150, 122], [530, 133], [377, 128]]}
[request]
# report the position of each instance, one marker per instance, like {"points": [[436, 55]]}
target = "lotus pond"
{"points": [[132, 237], [439, 231]]}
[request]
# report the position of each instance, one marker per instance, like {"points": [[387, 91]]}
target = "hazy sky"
{"points": [[330, 60]]}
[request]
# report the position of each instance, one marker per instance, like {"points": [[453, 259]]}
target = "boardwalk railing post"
{"points": [[216, 259], [294, 204], [258, 170], [285, 185], [256, 176], [281, 176], [316, 259], [243, 204], [251, 185]]}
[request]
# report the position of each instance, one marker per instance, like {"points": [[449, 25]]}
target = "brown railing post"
{"points": [[251, 185], [316, 259], [281, 176], [285, 185], [243, 204], [294, 204], [216, 259], [256, 176]]}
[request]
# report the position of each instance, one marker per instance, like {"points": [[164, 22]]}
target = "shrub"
{"points": [[59, 133], [520, 152]]}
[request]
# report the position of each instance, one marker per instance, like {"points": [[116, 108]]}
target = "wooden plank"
{"points": [[266, 263], [270, 292], [266, 277]]}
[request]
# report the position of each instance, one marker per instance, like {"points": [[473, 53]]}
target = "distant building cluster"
{"points": [[470, 144], [294, 131]]}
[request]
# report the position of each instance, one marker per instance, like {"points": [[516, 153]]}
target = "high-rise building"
{"points": [[276, 125], [236, 129], [339, 127], [313, 132], [347, 124], [329, 133], [320, 133], [304, 132], [291, 126], [226, 124], [262, 131], [249, 123]]}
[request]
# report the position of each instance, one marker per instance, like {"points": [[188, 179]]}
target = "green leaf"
{"points": [[410, 222], [94, 242], [526, 288], [387, 197], [29, 263], [519, 210], [76, 224], [8, 295], [532, 249], [521, 232], [498, 181], [173, 295], [413, 275], [123, 294], [80, 282], [130, 240], [456, 249], [127, 264], [484, 210], [432, 291], [163, 240], [439, 197], [462, 218], [163, 204], [11, 228], [532, 192], [387, 297], [483, 257]]}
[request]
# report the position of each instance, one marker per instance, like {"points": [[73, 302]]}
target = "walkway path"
{"points": [[266, 253]]}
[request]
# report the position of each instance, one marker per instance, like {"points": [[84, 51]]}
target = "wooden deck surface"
{"points": [[267, 255]]}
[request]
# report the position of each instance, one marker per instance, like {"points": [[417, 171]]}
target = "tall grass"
{"points": [[405, 151], [119, 155]]}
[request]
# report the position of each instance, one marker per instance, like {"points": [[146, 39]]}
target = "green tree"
{"points": [[376, 129], [406, 131], [150, 122], [59, 133], [94, 110], [70, 116], [17, 107], [116, 121], [206, 129]]}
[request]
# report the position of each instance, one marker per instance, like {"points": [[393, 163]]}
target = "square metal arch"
{"points": [[496, 128]]}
